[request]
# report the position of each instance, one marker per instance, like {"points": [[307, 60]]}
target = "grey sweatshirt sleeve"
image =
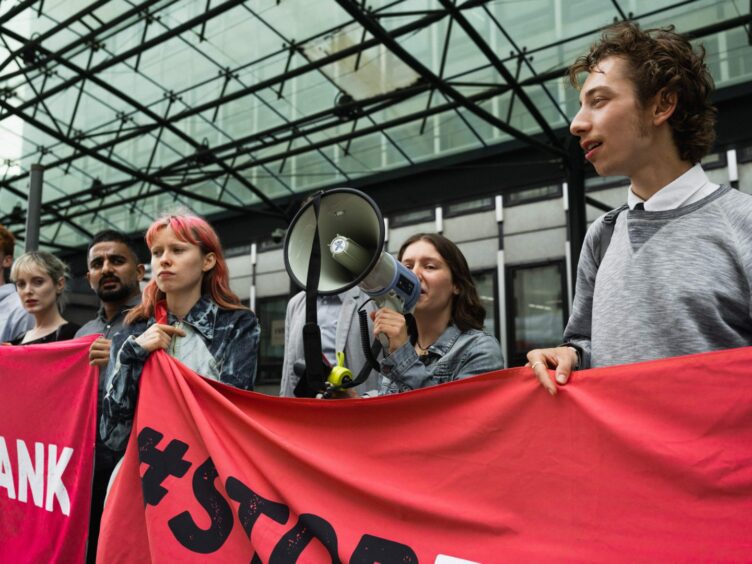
{"points": [[579, 326], [738, 228]]}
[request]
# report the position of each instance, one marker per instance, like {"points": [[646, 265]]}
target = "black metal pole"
{"points": [[34, 207], [576, 217]]}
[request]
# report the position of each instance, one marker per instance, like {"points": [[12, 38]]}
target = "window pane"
{"points": [[538, 309], [468, 206], [484, 283], [532, 195], [271, 314], [418, 216]]}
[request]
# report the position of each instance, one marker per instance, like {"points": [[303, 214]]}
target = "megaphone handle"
{"points": [[392, 302], [384, 340]]}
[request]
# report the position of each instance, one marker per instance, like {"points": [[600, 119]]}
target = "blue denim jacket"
{"points": [[454, 355], [220, 344]]}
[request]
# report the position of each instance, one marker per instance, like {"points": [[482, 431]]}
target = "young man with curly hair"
{"points": [[676, 275]]}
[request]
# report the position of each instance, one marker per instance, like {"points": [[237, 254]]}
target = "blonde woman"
{"points": [[40, 282]]}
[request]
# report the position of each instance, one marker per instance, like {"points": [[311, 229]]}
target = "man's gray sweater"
{"points": [[671, 283]]}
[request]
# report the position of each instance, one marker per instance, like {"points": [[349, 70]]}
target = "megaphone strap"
{"points": [[371, 351], [311, 330], [314, 265]]}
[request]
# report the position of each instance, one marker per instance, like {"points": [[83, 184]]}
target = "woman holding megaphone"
{"points": [[187, 310], [448, 342]]}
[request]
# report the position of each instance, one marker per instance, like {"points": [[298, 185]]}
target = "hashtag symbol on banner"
{"points": [[161, 463]]}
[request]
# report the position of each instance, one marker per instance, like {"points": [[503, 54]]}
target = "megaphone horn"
{"points": [[351, 239], [341, 211]]}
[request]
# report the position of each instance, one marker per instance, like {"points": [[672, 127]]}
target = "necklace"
{"points": [[423, 350]]}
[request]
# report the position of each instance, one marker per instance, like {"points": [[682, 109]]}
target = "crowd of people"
{"points": [[188, 310], [669, 274]]}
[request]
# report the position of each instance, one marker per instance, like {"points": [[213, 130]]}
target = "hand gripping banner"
{"points": [[648, 462], [48, 407]]}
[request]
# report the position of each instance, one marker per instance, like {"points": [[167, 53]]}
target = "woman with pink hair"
{"points": [[187, 310]]}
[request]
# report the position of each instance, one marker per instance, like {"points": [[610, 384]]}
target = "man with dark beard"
{"points": [[114, 273]]}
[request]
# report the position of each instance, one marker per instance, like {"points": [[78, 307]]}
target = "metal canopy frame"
{"points": [[50, 75]]}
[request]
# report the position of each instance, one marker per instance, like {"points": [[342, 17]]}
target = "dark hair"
{"points": [[467, 311], [662, 60], [113, 236], [7, 241]]}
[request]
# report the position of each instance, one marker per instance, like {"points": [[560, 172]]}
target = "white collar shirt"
{"points": [[328, 310], [688, 188]]}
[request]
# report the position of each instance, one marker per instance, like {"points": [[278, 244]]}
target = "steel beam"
{"points": [[519, 92], [321, 144], [37, 40], [356, 12], [17, 9], [385, 100], [154, 41], [89, 37], [33, 208], [114, 164]]}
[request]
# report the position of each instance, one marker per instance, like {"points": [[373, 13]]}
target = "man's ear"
{"points": [[7, 261], [664, 105], [210, 259], [140, 272]]}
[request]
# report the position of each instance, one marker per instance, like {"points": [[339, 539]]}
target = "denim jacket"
{"points": [[454, 355], [219, 344]]}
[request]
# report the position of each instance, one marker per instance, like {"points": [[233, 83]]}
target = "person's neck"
{"points": [[49, 319], [179, 304], [662, 168], [111, 309], [431, 326]]}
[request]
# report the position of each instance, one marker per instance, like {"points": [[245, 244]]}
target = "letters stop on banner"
{"points": [[640, 462]]}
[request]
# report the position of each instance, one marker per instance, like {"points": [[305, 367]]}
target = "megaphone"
{"points": [[351, 239]]}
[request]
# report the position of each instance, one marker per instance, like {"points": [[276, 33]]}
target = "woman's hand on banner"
{"points": [[158, 336]]}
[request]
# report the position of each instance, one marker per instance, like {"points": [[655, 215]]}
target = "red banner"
{"points": [[48, 409], [651, 461]]}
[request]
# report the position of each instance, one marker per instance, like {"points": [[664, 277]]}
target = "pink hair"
{"points": [[196, 231]]}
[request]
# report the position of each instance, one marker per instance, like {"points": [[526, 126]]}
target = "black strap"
{"points": [[609, 222], [370, 350], [311, 331], [365, 371]]}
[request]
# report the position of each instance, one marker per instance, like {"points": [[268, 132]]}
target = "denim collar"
{"points": [[446, 340], [201, 317]]}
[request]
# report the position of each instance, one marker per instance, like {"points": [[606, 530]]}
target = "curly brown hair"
{"points": [[467, 311], [662, 61], [7, 241]]}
